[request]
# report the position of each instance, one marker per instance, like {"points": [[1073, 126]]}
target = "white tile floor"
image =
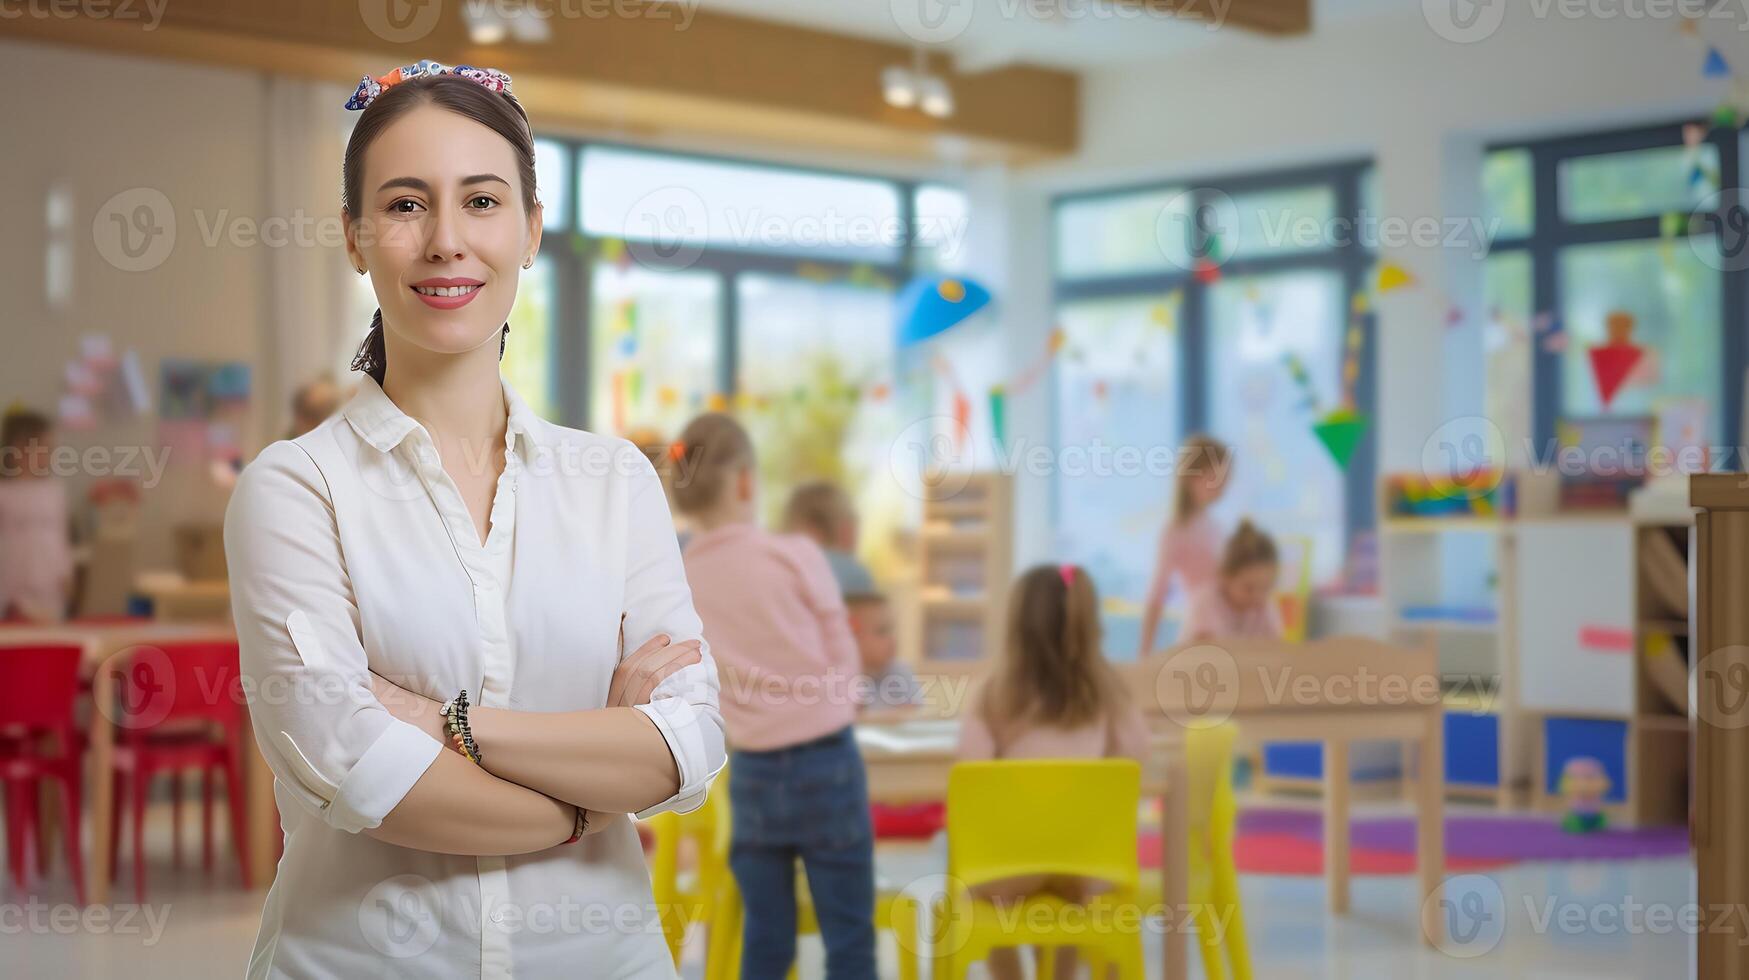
{"points": [[1545, 922]]}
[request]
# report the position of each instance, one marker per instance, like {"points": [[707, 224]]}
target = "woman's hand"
{"points": [[415, 709], [636, 676]]}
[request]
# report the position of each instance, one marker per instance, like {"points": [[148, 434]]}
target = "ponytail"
{"points": [[1248, 546], [373, 355]]}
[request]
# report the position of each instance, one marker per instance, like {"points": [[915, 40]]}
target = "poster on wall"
{"points": [[202, 408]]}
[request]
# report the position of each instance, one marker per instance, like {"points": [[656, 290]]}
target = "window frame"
{"points": [[574, 258], [1551, 233], [1350, 258]]}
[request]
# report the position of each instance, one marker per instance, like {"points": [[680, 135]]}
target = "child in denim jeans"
{"points": [[779, 631]]}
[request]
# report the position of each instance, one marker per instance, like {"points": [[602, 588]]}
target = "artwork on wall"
{"points": [[202, 406]]}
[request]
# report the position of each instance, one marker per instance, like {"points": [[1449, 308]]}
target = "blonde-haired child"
{"points": [[777, 626], [1190, 544], [1053, 696], [1240, 602]]}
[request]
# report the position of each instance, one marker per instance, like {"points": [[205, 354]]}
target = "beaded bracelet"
{"points": [[455, 718], [581, 825]]}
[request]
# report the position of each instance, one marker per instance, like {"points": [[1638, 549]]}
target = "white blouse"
{"points": [[350, 549]]}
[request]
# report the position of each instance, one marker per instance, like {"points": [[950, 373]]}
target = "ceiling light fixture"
{"points": [[914, 87]]}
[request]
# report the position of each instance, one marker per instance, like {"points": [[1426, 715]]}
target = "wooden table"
{"points": [[1335, 691], [101, 643]]}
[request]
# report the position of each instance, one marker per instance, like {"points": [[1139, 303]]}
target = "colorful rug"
{"points": [[1285, 841]]}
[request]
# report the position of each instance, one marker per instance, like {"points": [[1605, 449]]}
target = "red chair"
{"points": [[39, 691], [180, 707]]}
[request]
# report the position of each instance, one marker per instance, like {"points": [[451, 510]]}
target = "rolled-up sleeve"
{"points": [[325, 736], [684, 706]]}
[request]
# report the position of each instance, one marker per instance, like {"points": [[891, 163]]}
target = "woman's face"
{"points": [[442, 230]]}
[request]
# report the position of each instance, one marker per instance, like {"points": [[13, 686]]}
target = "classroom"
{"points": [[961, 488]]}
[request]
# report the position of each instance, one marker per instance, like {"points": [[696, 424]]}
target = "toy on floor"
{"points": [[1583, 785]]}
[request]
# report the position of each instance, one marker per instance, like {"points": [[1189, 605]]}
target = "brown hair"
{"points": [[1052, 672], [18, 429], [1248, 546], [821, 507], [1205, 454], [498, 111], [712, 448]]}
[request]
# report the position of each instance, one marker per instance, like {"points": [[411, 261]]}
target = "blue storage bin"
{"points": [[1603, 739], [1472, 748], [1305, 760]]}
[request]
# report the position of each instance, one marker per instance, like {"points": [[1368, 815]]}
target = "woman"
{"points": [[433, 538]]}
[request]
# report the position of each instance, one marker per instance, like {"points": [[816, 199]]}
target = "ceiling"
{"points": [[1077, 35]]}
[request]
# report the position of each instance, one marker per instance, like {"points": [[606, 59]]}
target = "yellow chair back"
{"points": [[1043, 816]]}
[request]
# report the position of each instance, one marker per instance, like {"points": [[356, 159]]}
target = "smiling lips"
{"points": [[447, 294]]}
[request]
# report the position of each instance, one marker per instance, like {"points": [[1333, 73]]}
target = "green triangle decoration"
{"points": [[1340, 432]]}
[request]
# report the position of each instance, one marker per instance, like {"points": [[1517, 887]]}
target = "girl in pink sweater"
{"points": [[1053, 696], [1190, 544], [777, 626], [1241, 600]]}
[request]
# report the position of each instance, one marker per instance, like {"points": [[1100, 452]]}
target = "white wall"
{"points": [[227, 149], [1392, 89]]}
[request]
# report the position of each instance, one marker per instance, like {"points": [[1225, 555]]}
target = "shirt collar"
{"points": [[379, 421]]}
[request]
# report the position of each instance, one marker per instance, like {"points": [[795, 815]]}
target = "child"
{"points": [[1190, 544], [1240, 600], [1054, 696], [36, 552], [777, 626], [891, 683], [822, 511]]}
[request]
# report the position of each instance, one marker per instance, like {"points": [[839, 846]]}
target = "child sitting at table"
{"points": [[891, 685], [823, 511], [1241, 600], [778, 629], [1053, 696], [36, 550]]}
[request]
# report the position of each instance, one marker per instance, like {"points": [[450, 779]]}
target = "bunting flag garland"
{"points": [[1715, 66], [1613, 361], [1340, 431], [999, 416], [1393, 277]]}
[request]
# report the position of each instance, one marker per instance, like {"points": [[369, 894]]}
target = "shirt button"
{"points": [[497, 916]]}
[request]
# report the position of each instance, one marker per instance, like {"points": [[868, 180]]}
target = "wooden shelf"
{"points": [[1663, 723], [1441, 525], [1672, 627], [966, 540]]}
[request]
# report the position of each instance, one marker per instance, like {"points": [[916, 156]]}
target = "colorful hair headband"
{"points": [[1067, 571], [369, 88]]}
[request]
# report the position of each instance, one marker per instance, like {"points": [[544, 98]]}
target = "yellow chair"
{"points": [[1293, 592], [894, 911], [1017, 818], [1214, 879], [684, 901]]}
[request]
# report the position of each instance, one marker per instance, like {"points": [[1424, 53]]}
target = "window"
{"points": [[527, 363], [671, 283], [653, 347], [1624, 222], [1157, 347]]}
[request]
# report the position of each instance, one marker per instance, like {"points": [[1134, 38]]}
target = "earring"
{"points": [[529, 263]]}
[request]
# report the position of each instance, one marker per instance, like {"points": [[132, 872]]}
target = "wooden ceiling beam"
{"points": [[641, 67]]}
